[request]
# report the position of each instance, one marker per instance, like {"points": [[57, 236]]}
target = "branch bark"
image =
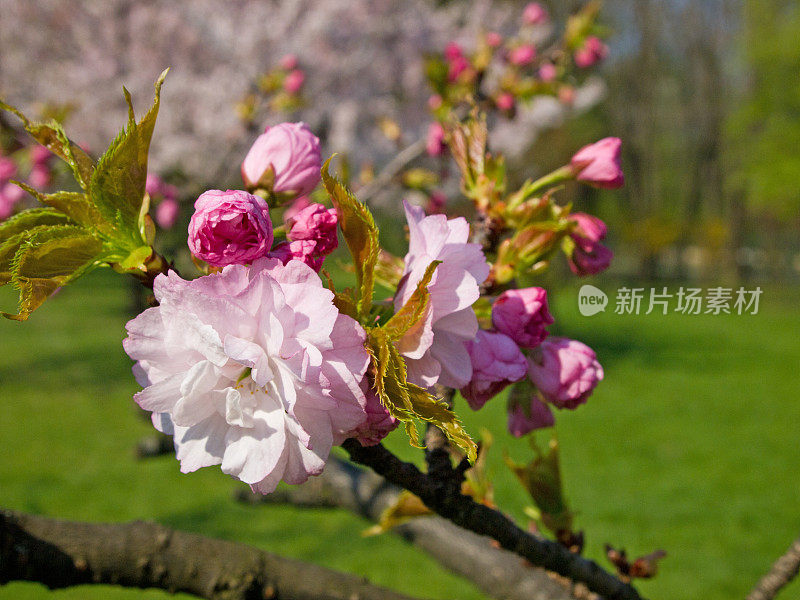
{"points": [[497, 572], [445, 499], [61, 554], [781, 573]]}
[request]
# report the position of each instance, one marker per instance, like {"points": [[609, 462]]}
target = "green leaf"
{"points": [[49, 258], [9, 248], [136, 259], [408, 402], [414, 309], [361, 235], [28, 219], [76, 206], [52, 136], [118, 183]]}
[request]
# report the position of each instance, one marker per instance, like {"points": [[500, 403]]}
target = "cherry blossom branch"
{"points": [[781, 573], [62, 554], [499, 573], [443, 496]]}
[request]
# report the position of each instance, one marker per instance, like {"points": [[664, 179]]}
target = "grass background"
{"points": [[690, 445]]}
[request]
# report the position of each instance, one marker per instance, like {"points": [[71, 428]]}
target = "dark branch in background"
{"points": [[497, 572], [781, 573], [62, 554], [446, 499], [406, 156]]}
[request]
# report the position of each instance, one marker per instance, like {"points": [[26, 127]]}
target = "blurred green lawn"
{"points": [[690, 445]]}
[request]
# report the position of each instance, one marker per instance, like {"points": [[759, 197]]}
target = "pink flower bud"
{"points": [[599, 164], [167, 212], [589, 227], [435, 102], [453, 51], [153, 185], [588, 257], [40, 176], [566, 95], [169, 191], [436, 203], [231, 227], [547, 72], [534, 14], [302, 250], [505, 101], [40, 155], [295, 207], [318, 224], [523, 315], [379, 422], [8, 168], [294, 81], [494, 39], [10, 194], [434, 143], [457, 66], [288, 62], [13, 192], [522, 422], [522, 55], [496, 362], [592, 52], [292, 151], [565, 371]]}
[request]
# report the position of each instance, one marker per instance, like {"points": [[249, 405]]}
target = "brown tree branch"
{"points": [[497, 572], [445, 498], [781, 573], [61, 554], [406, 156]]}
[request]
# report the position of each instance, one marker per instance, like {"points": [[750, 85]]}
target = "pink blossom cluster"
{"points": [[592, 52], [564, 372], [294, 76], [589, 256], [311, 236], [252, 368], [459, 65], [234, 227]]}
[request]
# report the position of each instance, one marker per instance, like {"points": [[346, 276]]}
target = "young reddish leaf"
{"points": [[117, 184], [408, 402], [541, 477], [52, 136], [361, 235], [76, 206], [28, 219], [406, 507], [342, 300], [414, 308]]}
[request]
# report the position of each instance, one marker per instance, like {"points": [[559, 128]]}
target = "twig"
{"points": [[781, 573], [406, 156], [446, 500], [62, 554]]}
